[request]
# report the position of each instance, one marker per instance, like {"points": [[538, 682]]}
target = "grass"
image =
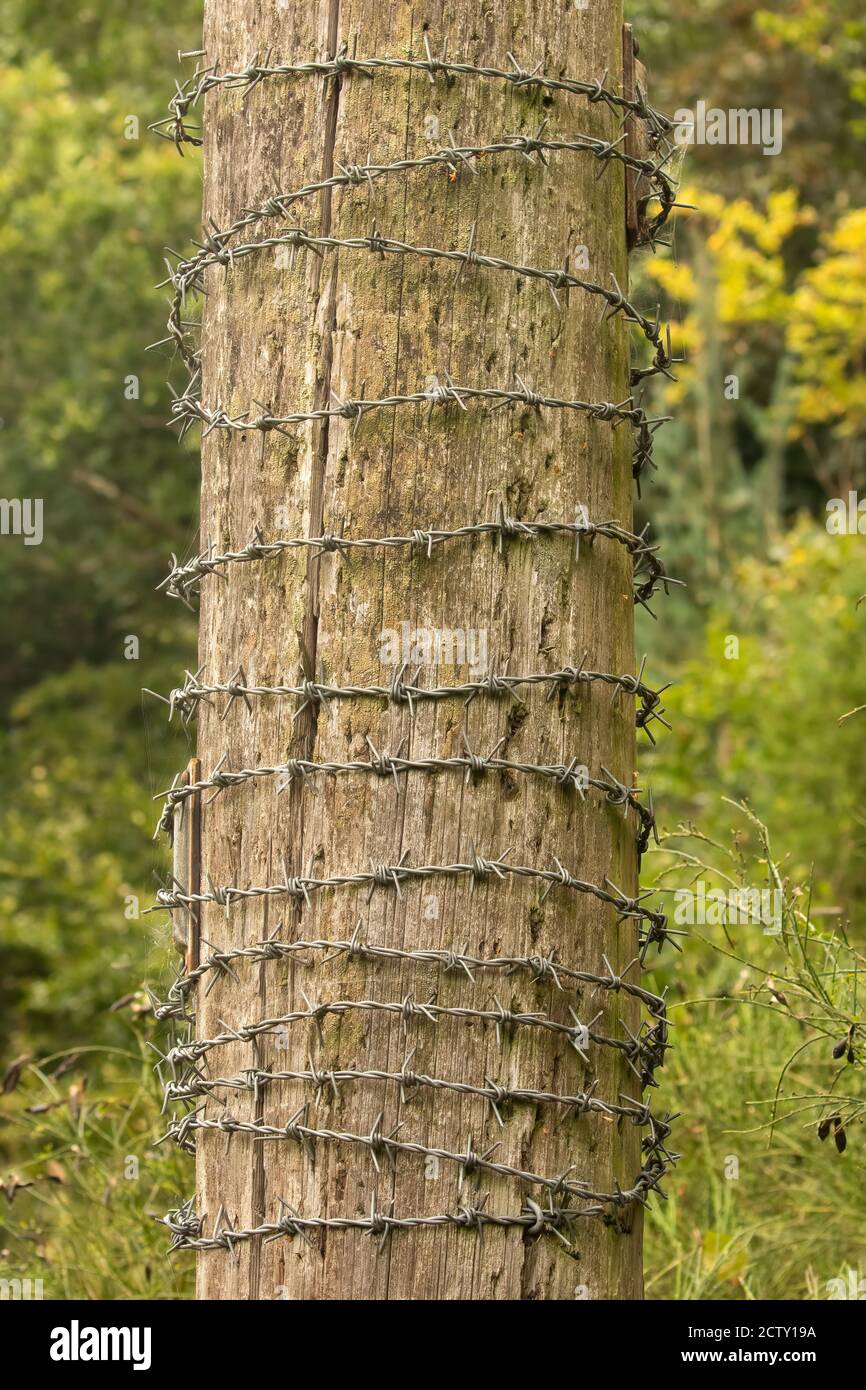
{"points": [[83, 1181], [761, 1205]]}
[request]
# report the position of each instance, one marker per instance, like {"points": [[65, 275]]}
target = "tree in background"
{"points": [[78, 766], [769, 285], [87, 210]]}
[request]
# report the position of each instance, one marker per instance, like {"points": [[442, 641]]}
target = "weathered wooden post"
{"points": [[416, 681]]}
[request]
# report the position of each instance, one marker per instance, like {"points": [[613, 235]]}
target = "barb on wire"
{"points": [[643, 1052], [387, 1146], [186, 277], [186, 1227], [542, 968], [390, 876], [329, 1080], [188, 408], [205, 79], [404, 694], [659, 127], [183, 580], [573, 776]]}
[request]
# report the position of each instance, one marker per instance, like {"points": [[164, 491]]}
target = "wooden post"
{"points": [[350, 325], [633, 79], [187, 866]]}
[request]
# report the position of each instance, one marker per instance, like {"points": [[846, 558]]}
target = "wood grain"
{"points": [[348, 323]]}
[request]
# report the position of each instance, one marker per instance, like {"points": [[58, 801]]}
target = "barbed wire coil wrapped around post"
{"points": [[191, 1086]]}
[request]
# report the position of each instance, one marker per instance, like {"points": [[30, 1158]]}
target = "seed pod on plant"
{"points": [[824, 1129], [839, 1137]]}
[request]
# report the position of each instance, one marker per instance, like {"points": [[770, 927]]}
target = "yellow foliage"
{"points": [[737, 288], [827, 331]]}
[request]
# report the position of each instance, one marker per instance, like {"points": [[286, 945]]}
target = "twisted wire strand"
{"points": [[219, 963], [254, 1080], [641, 1051], [175, 127], [572, 776], [186, 277], [183, 580], [186, 1226], [653, 923], [406, 694], [254, 72], [389, 1147], [187, 408]]}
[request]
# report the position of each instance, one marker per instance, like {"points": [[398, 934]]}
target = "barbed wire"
{"points": [[253, 73], [406, 694], [387, 1146], [658, 126], [215, 249], [390, 876], [650, 574], [547, 968], [187, 276], [573, 776], [642, 1051], [187, 408], [186, 1227], [254, 1080]]}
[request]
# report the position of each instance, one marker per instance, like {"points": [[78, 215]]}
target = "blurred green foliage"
{"points": [[87, 213], [76, 846], [755, 709], [768, 1198], [85, 1200], [765, 282]]}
